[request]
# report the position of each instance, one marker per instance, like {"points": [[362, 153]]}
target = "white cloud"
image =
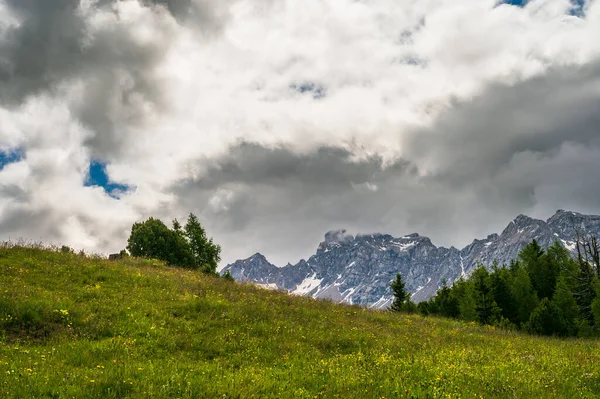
{"points": [[162, 92]]}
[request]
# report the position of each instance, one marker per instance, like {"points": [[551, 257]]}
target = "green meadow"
{"points": [[73, 326]]}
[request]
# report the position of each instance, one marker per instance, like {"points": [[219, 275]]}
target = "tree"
{"points": [[501, 280], [525, 297], [588, 259], [206, 254], [543, 270], [565, 303], [153, 239], [400, 294], [228, 276], [462, 294], [546, 319], [188, 247], [444, 302], [486, 307], [423, 308]]}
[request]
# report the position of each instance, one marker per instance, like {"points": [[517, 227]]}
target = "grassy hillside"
{"points": [[71, 326]]}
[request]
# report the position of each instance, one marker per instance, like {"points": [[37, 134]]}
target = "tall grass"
{"points": [[77, 327]]}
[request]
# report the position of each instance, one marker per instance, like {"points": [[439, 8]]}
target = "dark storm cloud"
{"points": [[327, 167], [479, 137], [531, 148], [207, 16], [521, 147], [289, 199]]}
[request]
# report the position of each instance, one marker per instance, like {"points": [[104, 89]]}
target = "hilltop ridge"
{"points": [[79, 327]]}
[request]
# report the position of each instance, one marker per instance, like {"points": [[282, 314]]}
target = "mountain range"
{"points": [[358, 269]]}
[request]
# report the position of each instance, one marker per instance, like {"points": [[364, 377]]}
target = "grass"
{"points": [[78, 327]]}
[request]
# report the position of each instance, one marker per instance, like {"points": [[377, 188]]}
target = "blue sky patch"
{"points": [[317, 91], [518, 3], [11, 156], [97, 177], [576, 6]]}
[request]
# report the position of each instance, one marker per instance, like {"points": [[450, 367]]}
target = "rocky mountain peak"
{"points": [[257, 257], [335, 238], [358, 269]]}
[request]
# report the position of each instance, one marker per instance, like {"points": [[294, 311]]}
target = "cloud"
{"points": [[277, 121]]}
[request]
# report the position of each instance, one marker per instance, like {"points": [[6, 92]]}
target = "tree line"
{"points": [[546, 292]]}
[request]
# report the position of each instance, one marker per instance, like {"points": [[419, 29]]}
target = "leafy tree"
{"points": [[153, 239], [400, 294], [187, 247]]}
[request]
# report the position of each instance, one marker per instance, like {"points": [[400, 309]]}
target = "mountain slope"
{"points": [[75, 327], [359, 269]]}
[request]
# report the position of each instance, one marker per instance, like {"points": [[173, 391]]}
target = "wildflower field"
{"points": [[77, 327]]}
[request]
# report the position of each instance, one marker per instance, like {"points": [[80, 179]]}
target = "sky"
{"points": [[275, 121]]}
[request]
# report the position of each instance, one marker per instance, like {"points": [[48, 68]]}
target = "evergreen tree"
{"points": [[446, 304], [205, 254], [400, 294], [525, 297], [501, 281], [586, 278], [487, 309], [546, 320], [463, 292], [542, 270], [565, 303], [423, 308], [228, 276], [410, 307], [596, 312], [585, 293]]}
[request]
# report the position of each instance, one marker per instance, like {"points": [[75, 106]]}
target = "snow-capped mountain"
{"points": [[359, 269]]}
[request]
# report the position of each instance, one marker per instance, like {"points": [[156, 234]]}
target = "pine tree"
{"points": [[487, 309], [206, 254], [463, 292], [542, 269], [501, 281], [546, 319], [565, 303], [588, 259], [444, 303], [400, 294], [525, 297]]}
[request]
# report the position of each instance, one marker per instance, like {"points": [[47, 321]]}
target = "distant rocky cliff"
{"points": [[359, 269]]}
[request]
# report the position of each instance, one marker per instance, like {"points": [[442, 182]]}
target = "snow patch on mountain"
{"points": [[307, 285], [358, 269]]}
